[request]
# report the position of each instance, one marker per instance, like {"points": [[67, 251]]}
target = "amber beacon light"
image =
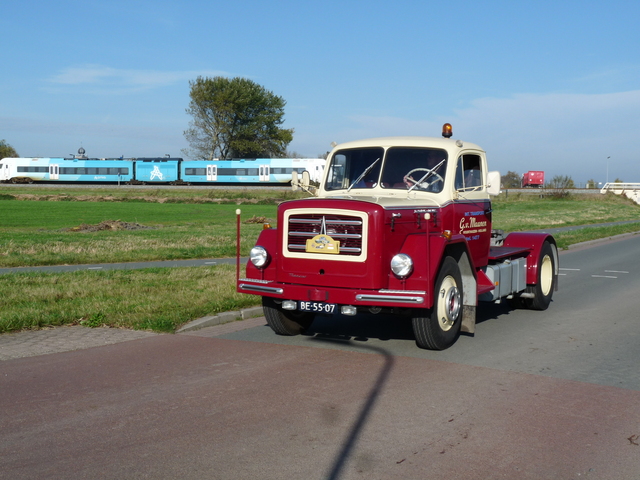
{"points": [[447, 130]]}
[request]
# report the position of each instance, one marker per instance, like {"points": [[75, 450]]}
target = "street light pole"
{"points": [[608, 169]]}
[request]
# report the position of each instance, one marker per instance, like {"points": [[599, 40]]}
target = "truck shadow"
{"points": [[351, 439], [362, 327]]}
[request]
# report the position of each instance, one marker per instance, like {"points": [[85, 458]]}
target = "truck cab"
{"points": [[401, 225]]}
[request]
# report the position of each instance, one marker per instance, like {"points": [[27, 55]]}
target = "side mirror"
{"points": [[493, 183], [297, 183]]}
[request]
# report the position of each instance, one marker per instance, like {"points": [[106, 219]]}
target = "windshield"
{"points": [[403, 168], [348, 167]]}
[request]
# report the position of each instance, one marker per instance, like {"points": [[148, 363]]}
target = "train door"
{"points": [[54, 171], [212, 173], [264, 173], [4, 171]]}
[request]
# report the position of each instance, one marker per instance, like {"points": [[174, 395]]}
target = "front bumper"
{"points": [[340, 296]]}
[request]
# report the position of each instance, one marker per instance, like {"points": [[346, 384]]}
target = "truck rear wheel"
{"points": [[285, 322], [440, 327], [543, 290]]}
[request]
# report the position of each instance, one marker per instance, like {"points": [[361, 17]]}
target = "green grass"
{"points": [[566, 239], [40, 233], [159, 299], [185, 224], [526, 212], [109, 193]]}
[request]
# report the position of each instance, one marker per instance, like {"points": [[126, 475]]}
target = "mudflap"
{"points": [[468, 319]]}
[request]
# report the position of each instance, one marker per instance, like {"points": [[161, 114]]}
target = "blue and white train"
{"points": [[157, 170]]}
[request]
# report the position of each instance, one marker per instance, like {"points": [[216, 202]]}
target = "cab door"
{"points": [[472, 207]]}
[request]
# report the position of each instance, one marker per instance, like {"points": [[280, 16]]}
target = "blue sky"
{"points": [[540, 85]]}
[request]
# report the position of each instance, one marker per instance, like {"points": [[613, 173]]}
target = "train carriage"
{"points": [[230, 171], [28, 170], [259, 170], [158, 170]]}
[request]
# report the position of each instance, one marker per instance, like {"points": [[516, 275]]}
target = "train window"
{"points": [[195, 171], [282, 171]]}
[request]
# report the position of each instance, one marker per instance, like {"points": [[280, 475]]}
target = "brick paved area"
{"points": [[62, 339]]}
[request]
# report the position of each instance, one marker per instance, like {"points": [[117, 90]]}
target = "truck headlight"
{"points": [[259, 256], [402, 265]]}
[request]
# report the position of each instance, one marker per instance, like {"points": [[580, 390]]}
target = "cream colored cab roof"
{"points": [[431, 142]]}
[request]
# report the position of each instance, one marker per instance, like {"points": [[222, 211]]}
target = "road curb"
{"points": [[574, 246], [219, 319]]}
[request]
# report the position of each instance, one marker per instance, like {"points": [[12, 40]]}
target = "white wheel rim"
{"points": [[546, 275], [448, 304]]}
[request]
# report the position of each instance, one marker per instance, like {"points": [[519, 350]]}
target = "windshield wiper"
{"points": [[366, 170]]}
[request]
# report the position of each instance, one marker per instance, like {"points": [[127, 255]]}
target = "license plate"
{"points": [[317, 307]]}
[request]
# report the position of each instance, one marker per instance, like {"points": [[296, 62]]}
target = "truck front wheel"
{"points": [[285, 322], [440, 327]]}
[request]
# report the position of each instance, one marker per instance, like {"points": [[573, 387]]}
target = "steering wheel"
{"points": [[409, 181]]}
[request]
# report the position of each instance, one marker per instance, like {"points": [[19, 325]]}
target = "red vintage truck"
{"points": [[400, 225]]}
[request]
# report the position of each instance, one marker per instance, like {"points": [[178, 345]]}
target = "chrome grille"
{"points": [[346, 229]]}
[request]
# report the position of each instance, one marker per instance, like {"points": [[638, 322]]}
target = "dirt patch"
{"points": [[112, 225], [256, 219]]}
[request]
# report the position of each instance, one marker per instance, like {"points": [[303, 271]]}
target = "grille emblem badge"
{"points": [[323, 243]]}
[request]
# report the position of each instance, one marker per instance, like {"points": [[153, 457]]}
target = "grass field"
{"points": [[54, 233], [53, 226], [159, 299]]}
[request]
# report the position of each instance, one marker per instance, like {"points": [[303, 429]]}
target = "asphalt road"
{"points": [[533, 395]]}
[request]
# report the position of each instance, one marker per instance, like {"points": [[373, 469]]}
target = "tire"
{"points": [[546, 280], [439, 328], [285, 322]]}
